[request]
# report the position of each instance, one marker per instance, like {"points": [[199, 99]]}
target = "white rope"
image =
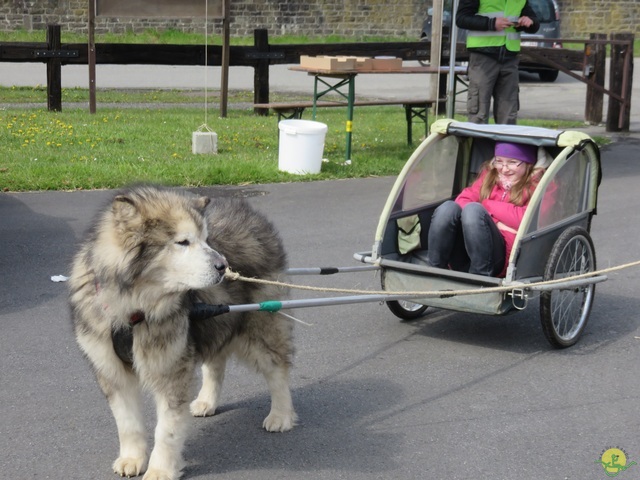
{"points": [[427, 293], [204, 127]]}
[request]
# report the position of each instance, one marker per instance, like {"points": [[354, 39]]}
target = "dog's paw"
{"points": [[279, 422], [202, 409], [155, 474], [129, 467]]}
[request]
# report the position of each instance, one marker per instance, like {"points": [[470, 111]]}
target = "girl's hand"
{"points": [[502, 226]]}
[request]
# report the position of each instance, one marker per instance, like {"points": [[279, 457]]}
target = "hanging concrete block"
{"points": [[204, 142]]}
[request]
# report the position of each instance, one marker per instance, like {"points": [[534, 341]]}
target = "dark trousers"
{"points": [[492, 79]]}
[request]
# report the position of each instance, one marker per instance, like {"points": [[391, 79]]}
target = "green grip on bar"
{"points": [[270, 306]]}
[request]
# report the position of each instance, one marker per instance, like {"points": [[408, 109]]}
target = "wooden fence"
{"points": [[590, 63]]}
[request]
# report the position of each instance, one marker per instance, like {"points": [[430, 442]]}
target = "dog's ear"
{"points": [[201, 203], [128, 220], [124, 207]]}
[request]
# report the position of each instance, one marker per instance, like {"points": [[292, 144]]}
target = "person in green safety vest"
{"points": [[493, 42]]}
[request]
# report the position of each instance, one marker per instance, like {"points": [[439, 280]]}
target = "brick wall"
{"points": [[388, 18]]}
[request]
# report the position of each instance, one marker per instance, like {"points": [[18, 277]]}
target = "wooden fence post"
{"points": [[620, 79], [91, 56], [596, 56], [261, 71], [54, 69], [224, 75]]}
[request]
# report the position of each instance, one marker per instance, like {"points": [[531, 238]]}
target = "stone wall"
{"points": [[355, 18], [389, 18], [581, 17]]}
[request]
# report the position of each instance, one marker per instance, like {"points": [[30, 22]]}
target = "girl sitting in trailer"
{"points": [[475, 232]]}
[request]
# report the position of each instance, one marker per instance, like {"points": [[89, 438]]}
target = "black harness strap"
{"points": [[122, 338]]}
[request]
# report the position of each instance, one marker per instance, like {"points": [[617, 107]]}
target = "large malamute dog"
{"points": [[151, 255]]}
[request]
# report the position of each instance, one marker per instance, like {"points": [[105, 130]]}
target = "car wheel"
{"points": [[548, 75], [424, 38]]}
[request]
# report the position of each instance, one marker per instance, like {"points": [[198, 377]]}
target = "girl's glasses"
{"points": [[510, 164]]}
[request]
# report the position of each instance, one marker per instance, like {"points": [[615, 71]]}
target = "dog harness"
{"points": [[122, 338]]}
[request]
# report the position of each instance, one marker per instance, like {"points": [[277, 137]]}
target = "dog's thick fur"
{"points": [[150, 256]]}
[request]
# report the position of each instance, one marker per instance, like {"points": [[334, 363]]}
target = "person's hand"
{"points": [[524, 22], [502, 226], [502, 23]]}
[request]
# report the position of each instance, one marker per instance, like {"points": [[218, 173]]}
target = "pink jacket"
{"points": [[499, 208]]}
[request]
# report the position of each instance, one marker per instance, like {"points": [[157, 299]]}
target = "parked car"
{"points": [[548, 13]]}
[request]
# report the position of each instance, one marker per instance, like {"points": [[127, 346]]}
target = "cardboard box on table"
{"points": [[325, 62], [344, 63]]}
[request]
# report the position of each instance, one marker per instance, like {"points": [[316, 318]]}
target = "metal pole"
{"points": [[276, 305], [329, 270], [451, 85], [349, 124], [436, 51]]}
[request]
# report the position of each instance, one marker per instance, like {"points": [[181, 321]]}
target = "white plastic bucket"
{"points": [[301, 146]]}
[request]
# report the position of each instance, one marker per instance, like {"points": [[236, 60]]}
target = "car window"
{"points": [[544, 10]]}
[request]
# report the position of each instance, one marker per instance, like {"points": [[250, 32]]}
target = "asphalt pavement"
{"points": [[449, 396]]}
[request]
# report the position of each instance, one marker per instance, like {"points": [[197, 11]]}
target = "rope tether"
{"points": [[230, 275]]}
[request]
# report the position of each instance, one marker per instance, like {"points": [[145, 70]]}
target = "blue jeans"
{"points": [[465, 239]]}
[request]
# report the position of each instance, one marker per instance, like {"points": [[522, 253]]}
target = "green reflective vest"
{"points": [[508, 37]]}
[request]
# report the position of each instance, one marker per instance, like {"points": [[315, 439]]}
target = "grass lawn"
{"points": [[120, 144], [74, 149]]}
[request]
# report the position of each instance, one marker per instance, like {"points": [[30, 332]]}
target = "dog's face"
{"points": [[185, 261], [162, 237]]}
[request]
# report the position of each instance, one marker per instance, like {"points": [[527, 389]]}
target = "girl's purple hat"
{"points": [[517, 151]]}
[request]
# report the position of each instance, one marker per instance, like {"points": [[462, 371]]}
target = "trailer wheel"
{"points": [[404, 309], [564, 311]]}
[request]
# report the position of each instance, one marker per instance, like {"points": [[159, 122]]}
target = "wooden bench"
{"points": [[414, 108]]}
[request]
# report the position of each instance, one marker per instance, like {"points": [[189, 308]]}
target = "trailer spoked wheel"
{"points": [[564, 311], [405, 309]]}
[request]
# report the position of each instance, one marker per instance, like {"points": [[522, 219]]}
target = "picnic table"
{"points": [[342, 83]]}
